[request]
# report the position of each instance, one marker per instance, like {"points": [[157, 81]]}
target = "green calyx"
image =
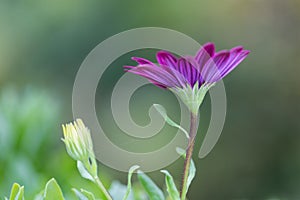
{"points": [[192, 97]]}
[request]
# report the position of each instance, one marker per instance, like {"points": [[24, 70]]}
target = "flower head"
{"points": [[78, 141], [190, 77]]}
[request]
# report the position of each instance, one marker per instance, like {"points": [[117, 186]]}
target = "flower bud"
{"points": [[78, 141]]}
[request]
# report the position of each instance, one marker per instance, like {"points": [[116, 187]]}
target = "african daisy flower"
{"points": [[190, 77]]}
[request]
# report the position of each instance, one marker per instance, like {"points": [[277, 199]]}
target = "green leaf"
{"points": [[88, 194], [192, 174], [83, 194], [171, 187], [14, 191], [39, 196], [20, 195], [192, 171], [53, 191], [150, 187], [83, 172], [131, 170], [139, 192], [17, 192], [79, 194], [181, 151], [163, 113]]}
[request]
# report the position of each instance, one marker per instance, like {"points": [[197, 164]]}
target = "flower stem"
{"points": [[189, 153], [102, 188]]}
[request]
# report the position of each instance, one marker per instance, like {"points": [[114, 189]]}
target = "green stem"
{"points": [[189, 153], [102, 188]]}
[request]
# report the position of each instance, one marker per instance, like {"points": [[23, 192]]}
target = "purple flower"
{"points": [[189, 77]]}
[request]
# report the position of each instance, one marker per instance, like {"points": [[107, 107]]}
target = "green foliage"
{"points": [[192, 172], [150, 187], [163, 113], [17, 192], [83, 171], [131, 170], [23, 115], [171, 187], [53, 191], [84, 194], [27, 119]]}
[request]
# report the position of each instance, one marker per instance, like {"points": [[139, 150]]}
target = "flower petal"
{"points": [[204, 54], [188, 70], [182, 81], [206, 66], [158, 75], [142, 61], [167, 59], [236, 57], [211, 71]]}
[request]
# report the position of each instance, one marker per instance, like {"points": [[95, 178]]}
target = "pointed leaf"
{"points": [[131, 170], [83, 172], [14, 191], [139, 192], [53, 191], [192, 174], [180, 151], [192, 171], [39, 196], [150, 187], [84, 194], [79, 194], [88, 194], [20, 195], [171, 187], [17, 192], [163, 113]]}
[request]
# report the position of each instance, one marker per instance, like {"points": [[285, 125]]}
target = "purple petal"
{"points": [[236, 57], [126, 67], [204, 54], [167, 59], [177, 75], [211, 71], [157, 84], [207, 66], [154, 80], [135, 71], [160, 76], [188, 70], [142, 61]]}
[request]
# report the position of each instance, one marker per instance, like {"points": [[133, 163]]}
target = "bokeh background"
{"points": [[43, 43]]}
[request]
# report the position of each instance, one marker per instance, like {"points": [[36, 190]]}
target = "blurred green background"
{"points": [[43, 43]]}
